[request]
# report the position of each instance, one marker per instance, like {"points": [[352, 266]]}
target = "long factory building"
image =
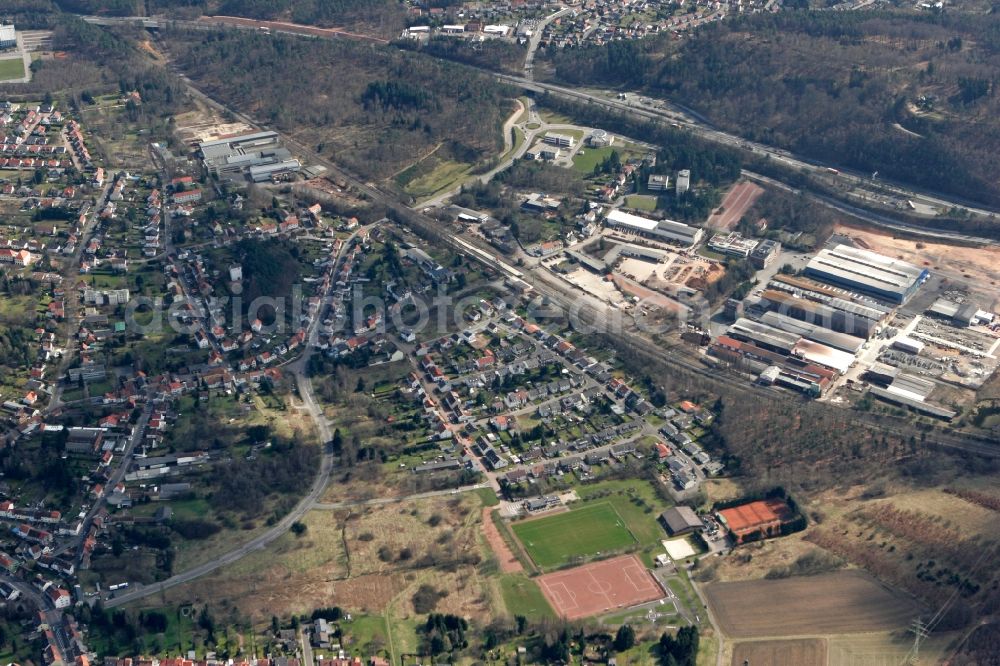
{"points": [[868, 272], [807, 329], [663, 230], [845, 319], [841, 341], [832, 296], [792, 344]]}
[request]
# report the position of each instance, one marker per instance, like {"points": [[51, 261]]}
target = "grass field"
{"points": [[443, 175], [365, 629], [522, 596], [641, 202], [592, 157], [526, 105], [637, 502], [182, 509], [12, 68], [18, 308], [885, 648], [589, 530], [518, 141], [553, 118], [681, 588], [487, 497]]}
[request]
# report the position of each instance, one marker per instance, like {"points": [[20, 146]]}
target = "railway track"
{"points": [[548, 286]]}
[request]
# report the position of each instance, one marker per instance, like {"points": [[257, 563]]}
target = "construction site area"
{"points": [[204, 124]]}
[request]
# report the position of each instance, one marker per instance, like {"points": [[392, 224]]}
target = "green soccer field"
{"points": [[12, 68], [589, 530]]}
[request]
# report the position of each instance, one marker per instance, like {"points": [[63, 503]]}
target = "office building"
{"points": [[562, 140], [258, 155], [683, 181], [658, 183]]}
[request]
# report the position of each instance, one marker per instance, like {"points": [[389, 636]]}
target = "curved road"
{"points": [[701, 127], [262, 540], [508, 146], [304, 385]]}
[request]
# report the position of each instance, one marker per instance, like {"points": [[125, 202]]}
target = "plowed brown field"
{"points": [[837, 603]]}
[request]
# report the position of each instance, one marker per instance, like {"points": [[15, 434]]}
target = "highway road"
{"points": [[864, 213], [682, 117], [700, 126]]}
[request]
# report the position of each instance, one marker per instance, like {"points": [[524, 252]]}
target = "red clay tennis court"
{"points": [[762, 518], [591, 589]]}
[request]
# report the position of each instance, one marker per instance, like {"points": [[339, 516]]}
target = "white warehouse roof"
{"points": [[828, 357], [868, 271], [628, 219], [662, 230]]}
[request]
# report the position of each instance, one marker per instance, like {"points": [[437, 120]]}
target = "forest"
{"points": [[792, 214], [270, 270], [375, 110], [29, 14], [911, 96]]}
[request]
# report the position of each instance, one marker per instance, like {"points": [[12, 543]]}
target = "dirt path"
{"points": [[508, 562], [415, 162]]}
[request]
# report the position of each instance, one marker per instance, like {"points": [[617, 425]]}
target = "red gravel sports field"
{"points": [[734, 206], [592, 589]]}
